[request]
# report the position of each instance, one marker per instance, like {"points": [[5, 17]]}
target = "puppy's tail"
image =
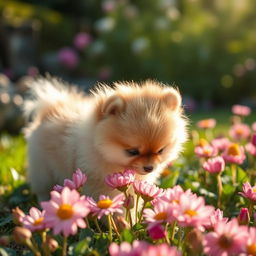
{"points": [[45, 93]]}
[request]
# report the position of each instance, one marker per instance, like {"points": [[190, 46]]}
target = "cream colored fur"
{"points": [[72, 130]]}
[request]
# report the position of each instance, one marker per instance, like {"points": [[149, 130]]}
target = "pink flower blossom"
{"points": [[253, 140], [234, 154], [105, 205], [215, 218], [249, 191], [159, 214], [65, 211], [206, 151], [156, 231], [35, 220], [239, 131], [254, 126], [214, 165], [206, 123], [161, 250], [126, 249], [82, 40], [120, 180], [251, 242], [241, 110], [68, 58], [192, 211], [172, 195], [251, 149], [147, 191], [226, 239], [78, 180], [220, 143]]}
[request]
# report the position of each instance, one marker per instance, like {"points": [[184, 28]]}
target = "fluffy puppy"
{"points": [[130, 126]]}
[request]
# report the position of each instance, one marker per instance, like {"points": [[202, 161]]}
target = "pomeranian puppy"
{"points": [[130, 126]]}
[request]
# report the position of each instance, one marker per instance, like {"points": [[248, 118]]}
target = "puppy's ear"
{"points": [[172, 99], [114, 105]]}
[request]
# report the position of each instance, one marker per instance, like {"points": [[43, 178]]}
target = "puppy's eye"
{"points": [[132, 152], [160, 151]]}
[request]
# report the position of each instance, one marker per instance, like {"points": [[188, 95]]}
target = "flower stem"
{"points": [[143, 207], [166, 234], [114, 225], [173, 230], [233, 173], [220, 188], [97, 225], [32, 248], [64, 246], [87, 222], [110, 227], [128, 212], [136, 208]]}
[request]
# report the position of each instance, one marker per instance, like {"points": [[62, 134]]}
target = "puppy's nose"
{"points": [[148, 168]]}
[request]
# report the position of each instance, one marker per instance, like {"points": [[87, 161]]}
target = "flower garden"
{"points": [[204, 203]]}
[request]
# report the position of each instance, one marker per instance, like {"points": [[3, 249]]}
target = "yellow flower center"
{"points": [[224, 241], [65, 211], [161, 216], [166, 172], [239, 131], [191, 213], [234, 150], [175, 201], [104, 204], [38, 221], [207, 151], [251, 249], [202, 142]]}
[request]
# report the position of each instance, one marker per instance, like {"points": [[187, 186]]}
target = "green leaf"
{"points": [[81, 247], [127, 235], [171, 180], [5, 220], [228, 189], [86, 232]]}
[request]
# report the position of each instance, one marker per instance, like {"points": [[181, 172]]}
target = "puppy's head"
{"points": [[140, 127]]}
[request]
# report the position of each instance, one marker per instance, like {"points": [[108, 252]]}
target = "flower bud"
{"points": [[129, 202], [21, 235], [194, 241], [52, 244], [17, 215], [243, 217], [122, 223], [254, 139], [4, 240], [156, 232]]}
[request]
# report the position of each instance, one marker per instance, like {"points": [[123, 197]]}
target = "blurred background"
{"points": [[207, 48]]}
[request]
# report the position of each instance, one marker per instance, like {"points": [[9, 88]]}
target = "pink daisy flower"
{"points": [[226, 239], [249, 191], [234, 154], [77, 182], [214, 165], [251, 149], [215, 218], [120, 180], [35, 220], [147, 191], [192, 211], [65, 211], [161, 250], [241, 110], [106, 206], [206, 123], [253, 140], [126, 249], [220, 143], [239, 131], [251, 242], [159, 214], [172, 195], [206, 151]]}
